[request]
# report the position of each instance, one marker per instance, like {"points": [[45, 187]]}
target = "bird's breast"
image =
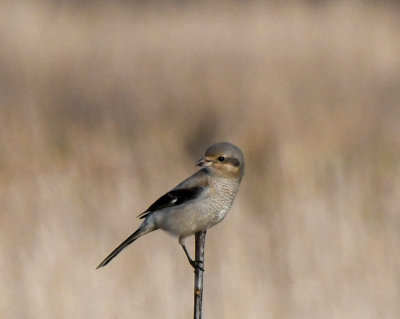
{"points": [[222, 194]]}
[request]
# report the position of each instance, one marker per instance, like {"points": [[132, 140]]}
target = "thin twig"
{"points": [[200, 238]]}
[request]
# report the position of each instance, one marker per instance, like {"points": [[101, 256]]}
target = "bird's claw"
{"points": [[196, 264]]}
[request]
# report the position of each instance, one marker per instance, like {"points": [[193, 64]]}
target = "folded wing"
{"points": [[188, 190]]}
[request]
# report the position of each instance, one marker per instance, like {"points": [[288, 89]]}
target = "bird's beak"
{"points": [[203, 162]]}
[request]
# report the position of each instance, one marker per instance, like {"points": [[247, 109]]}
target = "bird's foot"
{"points": [[197, 264]]}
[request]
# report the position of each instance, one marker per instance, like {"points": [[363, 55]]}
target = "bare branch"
{"points": [[200, 238]]}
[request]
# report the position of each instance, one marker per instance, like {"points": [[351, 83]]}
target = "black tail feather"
{"points": [[140, 232]]}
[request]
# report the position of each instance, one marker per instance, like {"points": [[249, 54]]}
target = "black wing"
{"points": [[173, 198]]}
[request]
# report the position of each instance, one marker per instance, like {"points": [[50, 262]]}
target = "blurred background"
{"points": [[104, 106]]}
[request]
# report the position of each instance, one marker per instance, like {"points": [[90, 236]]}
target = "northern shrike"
{"points": [[198, 203]]}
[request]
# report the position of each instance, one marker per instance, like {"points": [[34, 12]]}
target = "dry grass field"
{"points": [[105, 106]]}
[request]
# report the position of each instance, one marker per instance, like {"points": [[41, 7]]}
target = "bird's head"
{"points": [[225, 158]]}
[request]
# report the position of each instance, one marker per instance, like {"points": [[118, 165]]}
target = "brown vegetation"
{"points": [[103, 108]]}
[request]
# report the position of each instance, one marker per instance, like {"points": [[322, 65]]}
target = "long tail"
{"points": [[143, 230]]}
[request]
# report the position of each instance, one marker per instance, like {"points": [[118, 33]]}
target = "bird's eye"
{"points": [[221, 158]]}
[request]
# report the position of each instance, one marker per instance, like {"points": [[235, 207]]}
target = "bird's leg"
{"points": [[195, 263]]}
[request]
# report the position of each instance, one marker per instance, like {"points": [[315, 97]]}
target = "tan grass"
{"points": [[105, 107]]}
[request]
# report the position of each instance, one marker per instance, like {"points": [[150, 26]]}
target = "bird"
{"points": [[196, 204]]}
